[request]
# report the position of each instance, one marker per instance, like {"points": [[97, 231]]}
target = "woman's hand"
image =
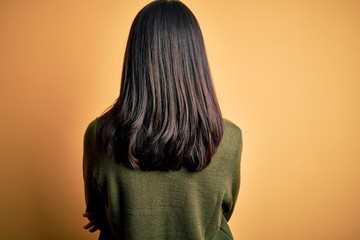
{"points": [[92, 225]]}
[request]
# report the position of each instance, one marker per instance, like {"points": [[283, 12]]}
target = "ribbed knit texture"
{"points": [[141, 205]]}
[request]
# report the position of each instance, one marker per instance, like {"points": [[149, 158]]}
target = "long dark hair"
{"points": [[167, 115]]}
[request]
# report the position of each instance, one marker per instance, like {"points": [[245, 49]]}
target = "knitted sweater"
{"points": [[181, 205]]}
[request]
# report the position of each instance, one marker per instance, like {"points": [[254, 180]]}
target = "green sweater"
{"points": [[181, 205]]}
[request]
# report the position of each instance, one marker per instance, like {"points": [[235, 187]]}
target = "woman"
{"points": [[162, 163]]}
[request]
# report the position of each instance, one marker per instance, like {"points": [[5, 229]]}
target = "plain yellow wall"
{"points": [[287, 72]]}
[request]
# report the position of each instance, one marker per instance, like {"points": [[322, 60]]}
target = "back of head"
{"points": [[167, 115]]}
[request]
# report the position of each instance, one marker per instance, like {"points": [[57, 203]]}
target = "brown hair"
{"points": [[167, 115]]}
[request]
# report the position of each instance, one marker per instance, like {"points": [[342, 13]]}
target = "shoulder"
{"points": [[228, 153], [232, 132], [231, 143], [90, 132], [92, 126]]}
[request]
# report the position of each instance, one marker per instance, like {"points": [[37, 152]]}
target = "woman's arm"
{"points": [[94, 202]]}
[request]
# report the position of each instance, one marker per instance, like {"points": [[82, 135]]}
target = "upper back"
{"points": [[156, 204]]}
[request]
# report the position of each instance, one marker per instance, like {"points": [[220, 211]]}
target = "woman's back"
{"points": [[137, 204], [162, 163]]}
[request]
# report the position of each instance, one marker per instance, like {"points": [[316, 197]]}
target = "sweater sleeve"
{"points": [[235, 186], [94, 202]]}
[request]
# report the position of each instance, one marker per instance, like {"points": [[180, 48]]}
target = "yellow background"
{"points": [[287, 72]]}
